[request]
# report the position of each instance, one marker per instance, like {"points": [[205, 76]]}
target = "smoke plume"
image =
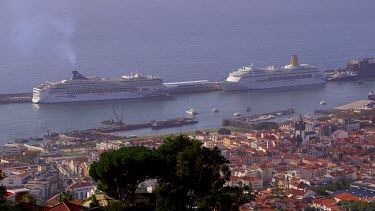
{"points": [[46, 33]]}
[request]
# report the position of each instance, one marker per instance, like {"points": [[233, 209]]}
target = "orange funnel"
{"points": [[294, 60]]}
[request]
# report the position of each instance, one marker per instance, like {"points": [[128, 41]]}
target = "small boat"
{"points": [[360, 82], [322, 102], [248, 109], [237, 114], [262, 118], [214, 109], [271, 116], [191, 111], [279, 114], [108, 122], [371, 95]]}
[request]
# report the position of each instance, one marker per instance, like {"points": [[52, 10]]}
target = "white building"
{"points": [[82, 189]]}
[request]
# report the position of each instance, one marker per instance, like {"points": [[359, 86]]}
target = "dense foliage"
{"points": [[189, 176], [342, 184], [121, 171], [4, 205], [357, 206], [224, 131], [267, 126]]}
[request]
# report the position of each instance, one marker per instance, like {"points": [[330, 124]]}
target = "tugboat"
{"points": [[371, 95]]}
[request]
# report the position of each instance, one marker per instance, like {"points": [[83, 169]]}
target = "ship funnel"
{"points": [[294, 60], [78, 76]]}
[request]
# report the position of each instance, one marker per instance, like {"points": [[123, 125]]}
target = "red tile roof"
{"points": [[347, 196], [66, 206]]}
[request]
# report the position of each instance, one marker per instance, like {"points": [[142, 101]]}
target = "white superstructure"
{"points": [[294, 74], [81, 88]]}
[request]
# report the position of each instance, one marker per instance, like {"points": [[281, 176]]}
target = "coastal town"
{"points": [[316, 163]]}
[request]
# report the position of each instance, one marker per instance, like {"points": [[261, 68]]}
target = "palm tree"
{"points": [[65, 196]]}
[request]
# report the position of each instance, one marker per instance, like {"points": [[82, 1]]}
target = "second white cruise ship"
{"points": [[294, 74], [81, 88]]}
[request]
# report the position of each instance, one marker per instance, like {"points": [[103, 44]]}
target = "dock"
{"points": [[175, 122], [16, 98], [355, 105], [275, 113], [250, 121]]}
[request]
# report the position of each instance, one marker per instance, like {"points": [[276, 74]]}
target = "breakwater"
{"points": [[16, 98]]}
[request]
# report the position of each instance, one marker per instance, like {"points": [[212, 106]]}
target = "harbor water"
{"points": [[44, 40], [25, 120]]}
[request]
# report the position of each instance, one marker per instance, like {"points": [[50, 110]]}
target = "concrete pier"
{"points": [[16, 98]]}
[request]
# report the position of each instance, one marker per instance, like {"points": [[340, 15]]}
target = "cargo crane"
{"points": [[119, 121]]}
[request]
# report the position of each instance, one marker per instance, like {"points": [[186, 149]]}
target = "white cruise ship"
{"points": [[294, 74], [81, 88]]}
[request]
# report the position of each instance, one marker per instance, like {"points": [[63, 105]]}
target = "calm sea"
{"points": [[44, 40]]}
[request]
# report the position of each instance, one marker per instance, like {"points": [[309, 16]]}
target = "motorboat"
{"points": [[237, 114], [191, 111]]}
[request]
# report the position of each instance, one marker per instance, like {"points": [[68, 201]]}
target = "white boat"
{"points": [[271, 117], [262, 118], [191, 111], [322, 102], [342, 76], [294, 74], [81, 88], [237, 114]]}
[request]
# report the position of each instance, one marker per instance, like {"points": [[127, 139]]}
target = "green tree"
{"points": [[224, 131], [4, 204], [115, 205], [121, 171], [94, 202], [191, 175], [65, 196]]}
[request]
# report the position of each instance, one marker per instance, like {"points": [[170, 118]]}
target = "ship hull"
{"points": [[250, 85], [94, 97]]}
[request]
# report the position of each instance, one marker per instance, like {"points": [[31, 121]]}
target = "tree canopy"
{"points": [[188, 175], [224, 131], [121, 171]]}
